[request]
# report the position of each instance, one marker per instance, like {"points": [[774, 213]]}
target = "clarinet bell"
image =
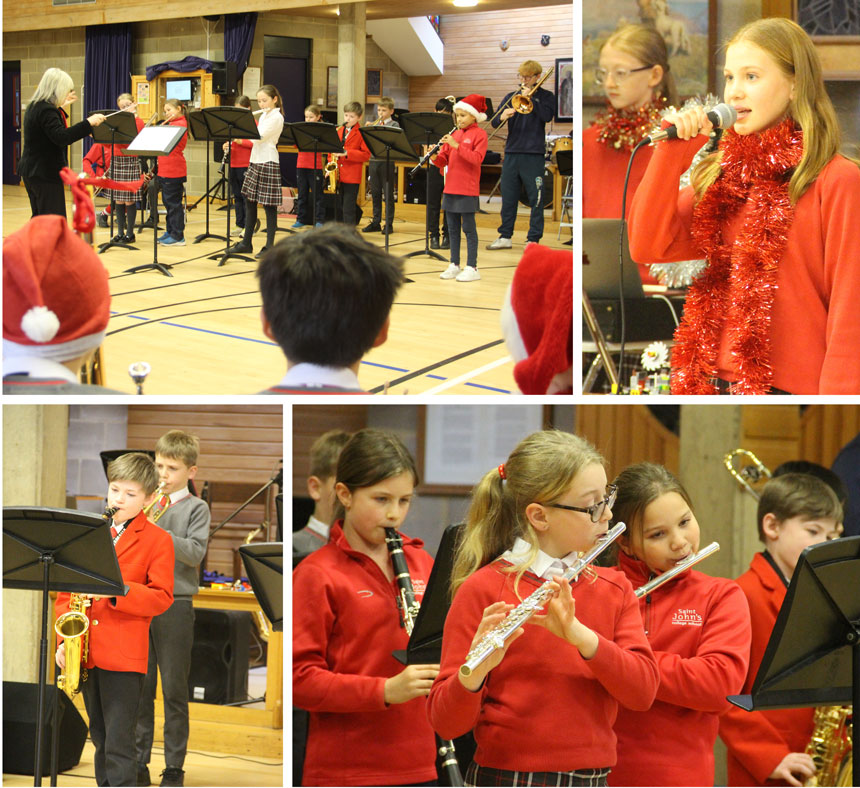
{"points": [[138, 372]]}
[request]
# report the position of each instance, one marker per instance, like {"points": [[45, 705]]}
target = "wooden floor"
{"points": [[200, 330]]}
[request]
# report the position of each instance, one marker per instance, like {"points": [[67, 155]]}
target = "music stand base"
{"points": [[225, 256], [161, 267], [429, 252], [108, 244], [204, 236]]}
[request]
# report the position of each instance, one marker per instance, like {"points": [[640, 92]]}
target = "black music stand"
{"points": [[118, 128], [317, 138], [390, 144], [155, 141], [226, 124], [264, 564], [286, 138], [198, 127], [47, 550], [813, 655], [426, 128]]}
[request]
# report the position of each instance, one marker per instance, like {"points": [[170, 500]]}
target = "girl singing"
{"points": [[368, 719], [698, 628], [773, 211], [528, 521]]}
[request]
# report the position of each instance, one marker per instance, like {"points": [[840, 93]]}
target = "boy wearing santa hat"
{"points": [[56, 307], [463, 151]]}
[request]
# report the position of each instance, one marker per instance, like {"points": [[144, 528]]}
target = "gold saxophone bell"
{"points": [[522, 103], [331, 174], [831, 746], [747, 475], [74, 627]]}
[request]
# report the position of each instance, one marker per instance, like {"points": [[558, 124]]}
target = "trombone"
{"points": [[521, 102], [747, 475]]}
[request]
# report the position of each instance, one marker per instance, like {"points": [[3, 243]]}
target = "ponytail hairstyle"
{"points": [[540, 469], [272, 92], [649, 48], [54, 86], [794, 53], [179, 105], [369, 457], [244, 101], [446, 105], [637, 486]]}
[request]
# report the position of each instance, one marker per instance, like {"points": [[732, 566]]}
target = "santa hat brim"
{"points": [[479, 116]]}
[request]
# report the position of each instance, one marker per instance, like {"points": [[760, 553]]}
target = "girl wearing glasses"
{"points": [[587, 655], [634, 74], [698, 627]]}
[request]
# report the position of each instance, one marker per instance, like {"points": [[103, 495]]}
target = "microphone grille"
{"points": [[726, 114]]}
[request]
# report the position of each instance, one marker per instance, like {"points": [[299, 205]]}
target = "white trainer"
{"points": [[500, 243], [468, 274], [450, 272]]}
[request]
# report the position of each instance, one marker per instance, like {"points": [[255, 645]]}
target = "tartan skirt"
{"points": [[124, 168], [263, 183], [485, 775]]}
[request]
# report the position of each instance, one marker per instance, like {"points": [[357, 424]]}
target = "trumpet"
{"points": [[748, 475], [496, 637], [677, 569], [158, 506]]}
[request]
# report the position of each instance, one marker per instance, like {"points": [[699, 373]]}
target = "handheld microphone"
{"points": [[722, 116]]}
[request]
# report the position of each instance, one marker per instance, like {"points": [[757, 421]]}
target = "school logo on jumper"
{"points": [[419, 586], [687, 617]]}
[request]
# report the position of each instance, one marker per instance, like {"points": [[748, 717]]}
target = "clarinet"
{"points": [[677, 569], [496, 637], [224, 159], [409, 610]]}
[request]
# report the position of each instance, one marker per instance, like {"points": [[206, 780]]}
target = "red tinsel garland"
{"points": [[623, 130], [735, 292]]}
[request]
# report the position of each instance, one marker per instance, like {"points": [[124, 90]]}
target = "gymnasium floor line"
{"points": [[182, 303], [180, 284]]}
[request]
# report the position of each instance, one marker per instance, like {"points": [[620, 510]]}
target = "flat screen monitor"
{"points": [[179, 89]]}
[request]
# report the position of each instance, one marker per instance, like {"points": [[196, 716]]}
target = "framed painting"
{"points": [[373, 85], [331, 87], [564, 89], [687, 26]]}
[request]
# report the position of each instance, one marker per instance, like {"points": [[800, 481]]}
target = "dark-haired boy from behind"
{"points": [[796, 511], [185, 518], [119, 626], [327, 297]]}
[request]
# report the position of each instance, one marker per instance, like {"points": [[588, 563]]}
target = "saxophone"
{"points": [[830, 746], [331, 174], [409, 607], [74, 627]]}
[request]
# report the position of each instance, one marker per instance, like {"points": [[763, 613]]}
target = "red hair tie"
{"points": [[502, 471]]}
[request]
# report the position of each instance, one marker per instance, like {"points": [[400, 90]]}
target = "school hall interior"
{"points": [[235, 683], [199, 327], [694, 442]]}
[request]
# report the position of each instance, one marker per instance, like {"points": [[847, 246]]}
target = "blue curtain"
{"points": [[238, 38], [107, 68]]}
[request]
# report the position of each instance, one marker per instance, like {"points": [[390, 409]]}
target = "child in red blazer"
{"points": [[529, 520], [368, 717], [463, 151], [119, 626], [795, 511], [350, 162], [309, 181], [172, 171], [698, 627]]}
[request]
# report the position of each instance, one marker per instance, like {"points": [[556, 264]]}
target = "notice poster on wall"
{"points": [[251, 82], [142, 93]]}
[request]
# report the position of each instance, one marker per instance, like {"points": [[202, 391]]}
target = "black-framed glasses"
{"points": [[620, 74], [595, 511]]}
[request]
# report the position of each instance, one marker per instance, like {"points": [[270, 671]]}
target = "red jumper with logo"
{"points": [[699, 629], [346, 624]]}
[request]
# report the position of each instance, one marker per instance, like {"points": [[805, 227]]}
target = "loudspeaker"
{"points": [[224, 78], [219, 656], [20, 708]]}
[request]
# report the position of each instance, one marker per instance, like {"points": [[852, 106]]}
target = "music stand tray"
{"points": [[264, 564], [48, 550], [813, 655], [118, 128]]}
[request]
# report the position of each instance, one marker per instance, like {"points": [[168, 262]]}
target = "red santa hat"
{"points": [[537, 320], [475, 105], [56, 301]]}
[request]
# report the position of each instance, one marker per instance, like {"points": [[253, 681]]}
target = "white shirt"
{"points": [[318, 527], [270, 126], [315, 376], [544, 566], [37, 367]]}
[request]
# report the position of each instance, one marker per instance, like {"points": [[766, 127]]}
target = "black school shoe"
{"points": [[446, 242], [373, 227], [129, 239], [434, 242], [102, 220], [143, 775], [241, 248], [172, 776]]}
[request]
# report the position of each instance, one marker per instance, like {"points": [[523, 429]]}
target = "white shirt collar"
{"points": [[318, 527], [544, 566], [315, 376], [177, 496], [37, 367]]}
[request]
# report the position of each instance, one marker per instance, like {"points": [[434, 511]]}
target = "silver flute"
{"points": [[496, 637], [677, 569]]}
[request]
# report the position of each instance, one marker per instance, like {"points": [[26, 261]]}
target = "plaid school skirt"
{"points": [[484, 775], [124, 168], [263, 183]]}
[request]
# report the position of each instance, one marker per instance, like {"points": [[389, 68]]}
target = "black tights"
{"points": [[121, 211], [251, 220]]}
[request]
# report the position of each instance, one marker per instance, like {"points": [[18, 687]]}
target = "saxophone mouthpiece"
{"points": [[109, 512]]}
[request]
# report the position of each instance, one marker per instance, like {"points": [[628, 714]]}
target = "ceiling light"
{"points": [[465, 3]]}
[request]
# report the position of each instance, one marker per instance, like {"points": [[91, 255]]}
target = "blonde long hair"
{"points": [[794, 53], [649, 47], [540, 469], [54, 86]]}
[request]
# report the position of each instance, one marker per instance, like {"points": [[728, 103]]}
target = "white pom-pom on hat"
{"points": [[40, 324]]}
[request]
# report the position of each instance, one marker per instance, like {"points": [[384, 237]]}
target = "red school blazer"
{"points": [[119, 626]]}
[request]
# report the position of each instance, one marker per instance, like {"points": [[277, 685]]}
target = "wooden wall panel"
{"points": [[240, 446], [825, 429], [474, 62]]}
